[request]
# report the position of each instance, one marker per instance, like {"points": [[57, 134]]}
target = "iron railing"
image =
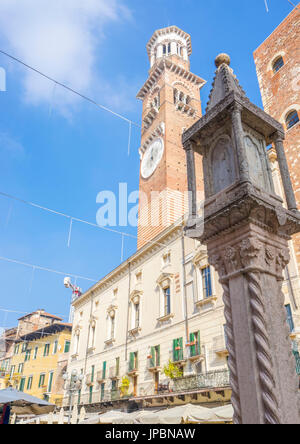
{"points": [[210, 380]]}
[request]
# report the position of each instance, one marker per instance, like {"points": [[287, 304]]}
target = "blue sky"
{"points": [[60, 151]]}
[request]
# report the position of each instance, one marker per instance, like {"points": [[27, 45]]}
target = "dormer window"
{"points": [[278, 64], [291, 119]]}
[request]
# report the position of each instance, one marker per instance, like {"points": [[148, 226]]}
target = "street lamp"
{"points": [[76, 292], [72, 385]]}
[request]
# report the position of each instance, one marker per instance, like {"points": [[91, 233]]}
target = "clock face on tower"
{"points": [[152, 158]]}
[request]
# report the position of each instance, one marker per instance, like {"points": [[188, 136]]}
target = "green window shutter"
{"points": [[199, 344], [22, 384], [136, 360], [67, 347], [152, 360], [50, 382], [93, 373], [175, 352], [181, 349], [158, 356], [79, 396], [192, 347], [117, 366], [131, 361], [104, 370]]}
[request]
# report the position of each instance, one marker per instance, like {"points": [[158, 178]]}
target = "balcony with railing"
{"points": [[189, 385]]}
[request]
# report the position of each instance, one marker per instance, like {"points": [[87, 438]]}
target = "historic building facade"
{"points": [[37, 356], [278, 70], [164, 304]]}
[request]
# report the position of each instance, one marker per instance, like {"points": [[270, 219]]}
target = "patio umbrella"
{"points": [[111, 417], [23, 403], [224, 413], [188, 413], [139, 417]]}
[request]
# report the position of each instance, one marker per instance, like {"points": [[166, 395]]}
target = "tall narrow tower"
{"points": [[171, 104]]}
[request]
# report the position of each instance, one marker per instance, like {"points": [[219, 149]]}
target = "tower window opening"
{"points": [[278, 64], [291, 119], [164, 49]]}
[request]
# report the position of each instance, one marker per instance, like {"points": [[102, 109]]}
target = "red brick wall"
{"points": [[171, 173], [281, 91]]}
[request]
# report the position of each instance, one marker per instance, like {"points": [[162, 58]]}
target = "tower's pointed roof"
{"points": [[224, 82]]}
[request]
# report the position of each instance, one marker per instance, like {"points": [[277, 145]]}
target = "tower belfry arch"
{"points": [[168, 109]]}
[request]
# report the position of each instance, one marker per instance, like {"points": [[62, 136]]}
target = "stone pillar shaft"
{"points": [[190, 159], [263, 371], [285, 175], [239, 140]]}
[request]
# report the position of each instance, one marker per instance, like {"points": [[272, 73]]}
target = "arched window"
{"points": [[278, 64], [291, 119]]}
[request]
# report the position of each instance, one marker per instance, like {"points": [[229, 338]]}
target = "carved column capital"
{"points": [[278, 137], [250, 250], [236, 108], [189, 145], [282, 259]]}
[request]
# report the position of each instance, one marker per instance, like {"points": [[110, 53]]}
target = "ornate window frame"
{"points": [[165, 280], [200, 262]]}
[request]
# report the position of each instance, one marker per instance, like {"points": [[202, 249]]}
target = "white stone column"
{"points": [[173, 48], [152, 60], [159, 51], [185, 54]]}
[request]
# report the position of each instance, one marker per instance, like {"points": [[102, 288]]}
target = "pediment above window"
{"points": [[93, 320], [135, 296], [111, 311], [164, 279], [201, 257]]}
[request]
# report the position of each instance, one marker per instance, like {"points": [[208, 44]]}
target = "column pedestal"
{"points": [[250, 263]]}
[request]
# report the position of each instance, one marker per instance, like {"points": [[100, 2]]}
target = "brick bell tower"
{"points": [[171, 104]]}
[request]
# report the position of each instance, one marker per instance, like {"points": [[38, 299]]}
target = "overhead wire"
{"points": [[68, 88]]}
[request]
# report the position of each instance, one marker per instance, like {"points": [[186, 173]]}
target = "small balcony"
{"points": [[110, 341], [101, 377], [133, 369], [220, 347], [134, 331], [89, 379], [153, 364], [114, 372]]}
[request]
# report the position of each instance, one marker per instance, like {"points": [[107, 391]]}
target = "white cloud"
{"points": [[11, 146], [59, 37]]}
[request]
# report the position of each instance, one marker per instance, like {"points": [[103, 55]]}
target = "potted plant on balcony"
{"points": [[172, 370], [125, 386]]}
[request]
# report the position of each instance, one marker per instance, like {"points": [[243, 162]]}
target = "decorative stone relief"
{"points": [[256, 171], [223, 165]]}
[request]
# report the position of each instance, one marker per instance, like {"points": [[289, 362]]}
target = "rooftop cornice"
{"points": [[166, 31], [171, 66]]}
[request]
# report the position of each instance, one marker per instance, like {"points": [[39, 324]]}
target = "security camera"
{"points": [[67, 282]]}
